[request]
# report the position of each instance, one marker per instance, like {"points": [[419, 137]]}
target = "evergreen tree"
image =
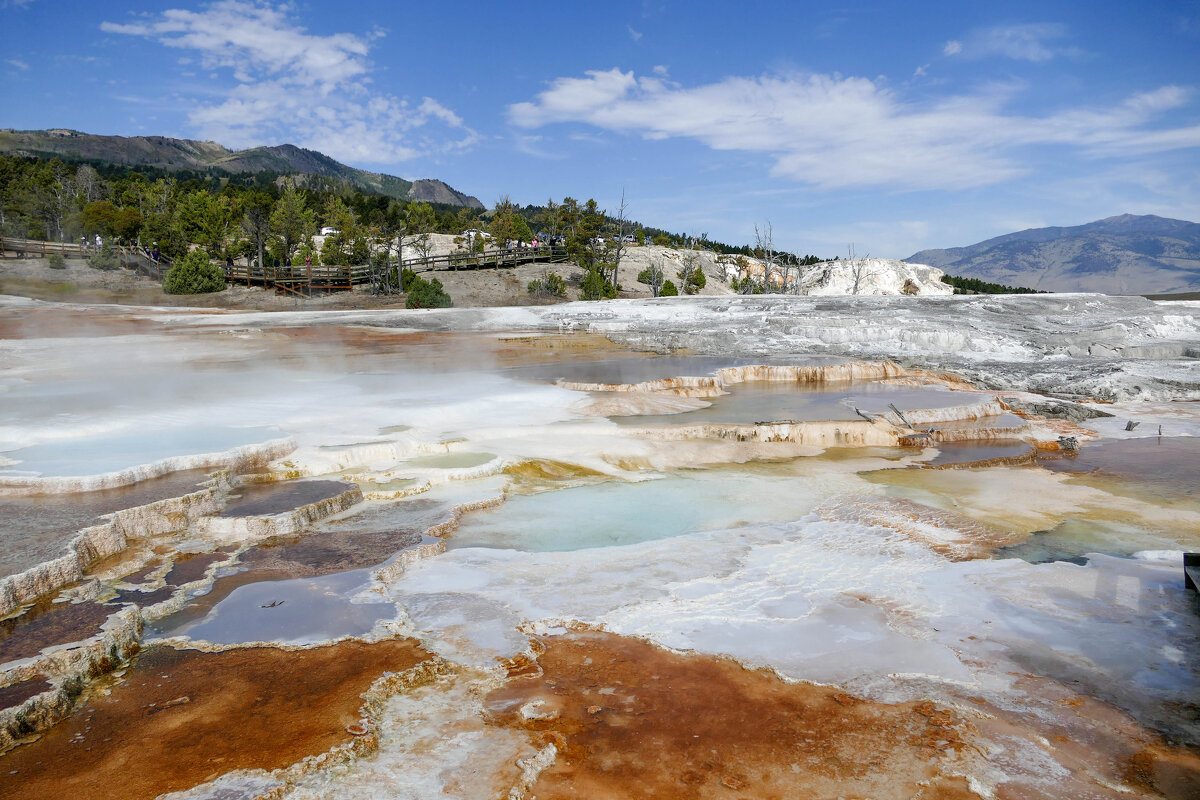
{"points": [[205, 220], [292, 222], [595, 286]]}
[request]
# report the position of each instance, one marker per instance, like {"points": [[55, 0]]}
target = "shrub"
{"points": [[549, 285], [426, 294], [194, 274], [56, 261], [106, 259], [596, 287], [669, 290]]}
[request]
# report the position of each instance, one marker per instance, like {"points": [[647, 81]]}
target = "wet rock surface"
{"points": [[47, 624], [264, 499], [39, 527], [141, 598], [192, 566], [181, 717], [981, 453], [1160, 467], [17, 693]]}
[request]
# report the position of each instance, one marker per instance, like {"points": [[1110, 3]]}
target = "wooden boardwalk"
{"points": [[138, 260], [129, 257], [24, 248], [299, 280]]}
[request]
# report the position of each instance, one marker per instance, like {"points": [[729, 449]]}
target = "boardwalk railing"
{"points": [[304, 280], [488, 259]]}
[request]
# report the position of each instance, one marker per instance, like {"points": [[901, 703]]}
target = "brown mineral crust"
{"points": [[1173, 773], [182, 717], [59, 322], [1102, 752], [630, 720], [465, 348]]}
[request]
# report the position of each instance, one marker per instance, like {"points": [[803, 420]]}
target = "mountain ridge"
{"points": [[1123, 254], [168, 153]]}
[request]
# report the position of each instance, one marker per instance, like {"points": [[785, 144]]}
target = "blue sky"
{"points": [[891, 126]]}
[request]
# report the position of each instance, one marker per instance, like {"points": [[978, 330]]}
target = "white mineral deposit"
{"points": [[501, 489]]}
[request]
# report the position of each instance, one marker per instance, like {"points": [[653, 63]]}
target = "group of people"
{"points": [[541, 240], [96, 245]]}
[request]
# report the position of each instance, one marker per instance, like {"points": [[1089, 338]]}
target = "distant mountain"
{"points": [[180, 154], [1119, 255]]}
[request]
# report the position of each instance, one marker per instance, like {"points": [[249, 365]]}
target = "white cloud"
{"points": [[834, 131], [17, 63], [1029, 42], [310, 89], [635, 35]]}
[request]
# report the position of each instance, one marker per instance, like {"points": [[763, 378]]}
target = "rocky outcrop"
{"points": [[434, 191], [862, 276]]}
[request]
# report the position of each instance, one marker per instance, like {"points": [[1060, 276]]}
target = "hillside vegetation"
{"points": [[174, 155]]}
